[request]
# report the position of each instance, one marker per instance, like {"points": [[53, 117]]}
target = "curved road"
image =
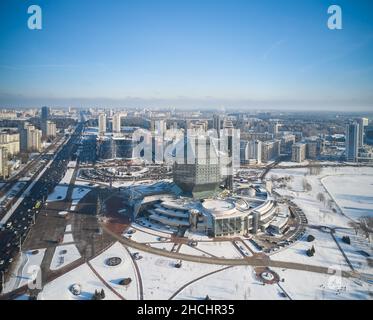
{"points": [[252, 261]]}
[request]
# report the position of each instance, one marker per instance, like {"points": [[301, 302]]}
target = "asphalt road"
{"points": [[17, 227]]}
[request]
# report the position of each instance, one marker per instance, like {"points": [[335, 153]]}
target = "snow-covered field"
{"points": [[220, 249], [303, 285], [353, 193], [320, 213], [357, 250], [113, 275], [236, 283], [327, 253], [59, 289], [185, 249], [161, 279]]}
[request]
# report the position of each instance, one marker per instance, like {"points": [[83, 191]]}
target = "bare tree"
{"points": [[330, 204], [321, 197]]}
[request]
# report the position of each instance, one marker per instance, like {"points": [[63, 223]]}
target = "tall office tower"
{"points": [[51, 129], [102, 124], [298, 153], [45, 113], [352, 141], [4, 168], [363, 122], [117, 118], [217, 124], [229, 181]]}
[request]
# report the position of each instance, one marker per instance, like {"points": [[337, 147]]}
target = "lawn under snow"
{"points": [[59, 289], [78, 194], [25, 270], [64, 255], [303, 285], [60, 191], [319, 213], [356, 251], [353, 193], [113, 275], [220, 249], [161, 279], [327, 253], [235, 283]]}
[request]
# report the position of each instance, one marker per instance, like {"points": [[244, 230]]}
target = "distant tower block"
{"points": [[117, 118], [229, 181], [102, 124]]}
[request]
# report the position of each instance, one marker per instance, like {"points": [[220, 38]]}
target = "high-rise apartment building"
{"points": [[271, 150], [251, 151], [363, 122], [117, 118], [4, 168], [352, 141], [102, 124], [11, 142], [298, 153], [51, 129]]}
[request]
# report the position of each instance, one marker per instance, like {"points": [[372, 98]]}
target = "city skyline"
{"points": [[184, 54]]}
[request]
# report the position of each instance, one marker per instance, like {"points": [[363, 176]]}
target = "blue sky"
{"points": [[187, 53]]}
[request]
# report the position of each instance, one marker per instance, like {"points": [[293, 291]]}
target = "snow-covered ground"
{"points": [[185, 249], [113, 275], [356, 251], [26, 269], [78, 194], [64, 255], [143, 237], [237, 283], [353, 193], [327, 253], [60, 191], [67, 238], [161, 279], [59, 289], [303, 285], [220, 249], [321, 213], [163, 246]]}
